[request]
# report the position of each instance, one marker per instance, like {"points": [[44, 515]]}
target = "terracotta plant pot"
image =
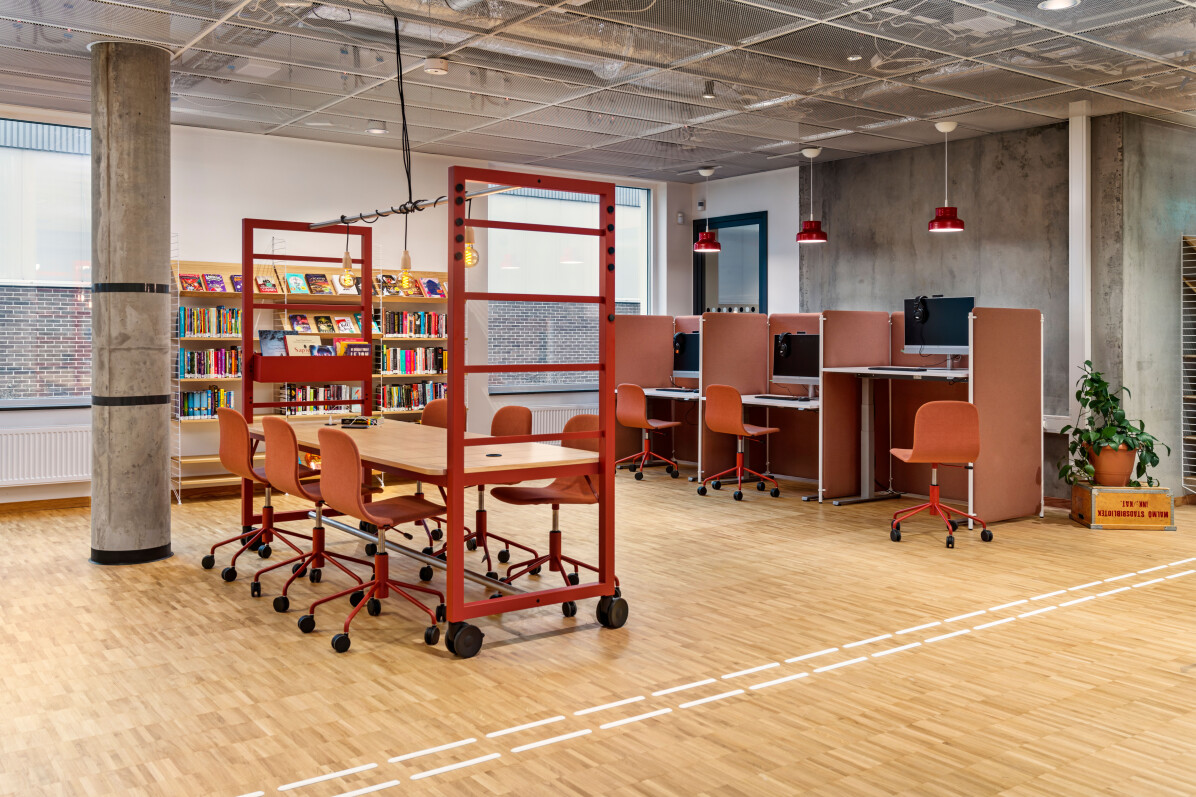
{"points": [[1113, 465]]}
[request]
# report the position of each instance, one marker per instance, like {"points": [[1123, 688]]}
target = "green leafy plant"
{"points": [[1102, 424]]}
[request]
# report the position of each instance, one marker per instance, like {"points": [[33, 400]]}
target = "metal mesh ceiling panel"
{"points": [[516, 128], [944, 26], [1091, 14], [981, 81], [1072, 61], [1170, 36], [766, 72], [1173, 90], [721, 21], [849, 51]]}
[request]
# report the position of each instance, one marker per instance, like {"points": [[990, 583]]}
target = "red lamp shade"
{"points": [[811, 233], [946, 220], [708, 242]]}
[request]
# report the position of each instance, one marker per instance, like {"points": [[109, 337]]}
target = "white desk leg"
{"points": [[867, 452]]}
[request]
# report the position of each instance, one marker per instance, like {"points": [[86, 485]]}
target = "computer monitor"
{"points": [[796, 359], [687, 348], [937, 324]]}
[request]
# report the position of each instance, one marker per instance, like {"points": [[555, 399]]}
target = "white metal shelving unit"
{"points": [[1187, 291]]}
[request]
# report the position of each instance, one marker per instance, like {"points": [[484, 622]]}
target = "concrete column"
{"points": [[130, 305], [1079, 248]]}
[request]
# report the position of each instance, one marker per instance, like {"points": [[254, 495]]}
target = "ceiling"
{"points": [[616, 86]]}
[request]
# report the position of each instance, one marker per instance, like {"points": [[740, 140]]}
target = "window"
{"points": [[528, 262], [45, 264]]}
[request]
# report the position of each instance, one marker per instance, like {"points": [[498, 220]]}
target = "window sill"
{"points": [[509, 390]]}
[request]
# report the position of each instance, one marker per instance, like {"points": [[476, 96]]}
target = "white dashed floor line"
{"points": [[1185, 573], [711, 699], [1152, 569], [551, 740], [1077, 600], [683, 687], [605, 706], [776, 681], [321, 778], [837, 665], [458, 765], [751, 670], [430, 750], [811, 655], [982, 626], [965, 616], [1008, 605], [1048, 595], [526, 726], [1147, 583], [867, 641], [1112, 592], [941, 637], [1084, 586], [1043, 610], [922, 627], [636, 718], [369, 789], [897, 649], [1118, 578]]}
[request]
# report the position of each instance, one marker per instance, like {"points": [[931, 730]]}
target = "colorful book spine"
{"points": [[209, 363], [204, 403], [209, 322], [406, 398], [415, 324]]}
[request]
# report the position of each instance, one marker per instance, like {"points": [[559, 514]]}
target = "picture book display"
{"points": [[342, 343], [301, 345], [357, 318], [412, 289], [387, 285], [433, 288], [356, 350], [265, 285], [347, 290], [296, 284], [274, 342], [235, 279], [318, 284], [345, 325], [324, 324], [299, 322], [323, 351], [215, 282], [191, 282]]}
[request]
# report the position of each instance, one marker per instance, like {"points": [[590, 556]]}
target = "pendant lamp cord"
{"points": [[811, 189], [707, 203], [945, 202]]}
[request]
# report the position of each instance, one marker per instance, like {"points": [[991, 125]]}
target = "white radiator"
{"points": [[45, 455], [551, 419]]}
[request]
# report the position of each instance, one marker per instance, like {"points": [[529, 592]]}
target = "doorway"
{"points": [[734, 280]]}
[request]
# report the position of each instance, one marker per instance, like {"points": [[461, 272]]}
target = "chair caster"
{"points": [[471, 544], [229, 574], [371, 549], [611, 612], [495, 595], [314, 575], [775, 492], [208, 562], [631, 468], [373, 607], [441, 613], [669, 469], [986, 535], [639, 476], [702, 490], [299, 569], [282, 604], [307, 623], [340, 643], [425, 573], [716, 484], [535, 571], [437, 534], [950, 541], [264, 552], [428, 551], [431, 635], [255, 589], [574, 578], [463, 640], [737, 495], [895, 534], [618, 592], [954, 524], [675, 473], [256, 544], [569, 608], [355, 598], [492, 575], [442, 556], [504, 555], [760, 486]]}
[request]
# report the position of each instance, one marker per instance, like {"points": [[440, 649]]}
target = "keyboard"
{"points": [[784, 398], [678, 389], [894, 368]]}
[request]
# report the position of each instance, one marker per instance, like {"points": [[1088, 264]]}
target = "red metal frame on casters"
{"points": [[300, 369], [601, 474]]}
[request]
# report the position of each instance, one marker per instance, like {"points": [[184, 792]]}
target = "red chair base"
{"points": [[263, 535], [739, 470], [556, 562], [315, 559], [646, 455], [944, 512], [481, 537]]}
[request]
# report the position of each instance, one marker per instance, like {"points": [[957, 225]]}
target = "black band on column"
{"points": [[130, 557], [128, 401], [130, 287]]}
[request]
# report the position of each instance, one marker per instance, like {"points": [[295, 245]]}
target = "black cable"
{"points": [[403, 111]]}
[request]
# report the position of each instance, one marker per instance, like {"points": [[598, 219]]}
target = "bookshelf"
{"points": [[195, 461]]}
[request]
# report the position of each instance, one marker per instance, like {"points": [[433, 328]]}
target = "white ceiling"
{"points": [[615, 86]]}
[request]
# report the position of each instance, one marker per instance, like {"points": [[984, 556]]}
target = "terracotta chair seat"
{"points": [[561, 491], [757, 431]]}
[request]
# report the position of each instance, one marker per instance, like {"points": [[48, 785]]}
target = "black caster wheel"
{"points": [[307, 623], [492, 575], [954, 526], [950, 541], [535, 571], [373, 607], [208, 562], [618, 592], [314, 575], [775, 492], [371, 549], [253, 546], [986, 535], [737, 495], [895, 535], [504, 555], [631, 468], [255, 589], [569, 608], [760, 486], [428, 551], [356, 597], [716, 484], [639, 476], [425, 573], [299, 571], [669, 469], [702, 490], [431, 635], [676, 474], [496, 595], [442, 556], [471, 545], [264, 552], [340, 643], [463, 640], [612, 612], [437, 534], [574, 578], [282, 603], [441, 613], [229, 574]]}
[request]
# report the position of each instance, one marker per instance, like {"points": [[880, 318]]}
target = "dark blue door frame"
{"points": [[699, 259]]}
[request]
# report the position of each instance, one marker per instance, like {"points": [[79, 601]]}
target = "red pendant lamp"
{"points": [[946, 218], [811, 231], [708, 240]]}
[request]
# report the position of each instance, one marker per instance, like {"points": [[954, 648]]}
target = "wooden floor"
{"points": [[162, 679]]}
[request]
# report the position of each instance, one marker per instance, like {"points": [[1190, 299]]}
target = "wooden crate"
{"points": [[1148, 508]]}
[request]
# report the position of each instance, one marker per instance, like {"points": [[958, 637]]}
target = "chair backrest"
{"points": [[236, 449], [947, 432], [340, 473], [724, 410], [631, 406], [579, 423], [282, 457], [435, 414], [510, 421]]}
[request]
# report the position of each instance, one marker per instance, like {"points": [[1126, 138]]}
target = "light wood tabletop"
{"points": [[423, 449]]}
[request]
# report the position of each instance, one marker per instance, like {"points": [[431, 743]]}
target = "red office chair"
{"points": [[631, 410], [286, 474], [945, 433], [236, 455], [565, 490], [341, 488], [724, 415]]}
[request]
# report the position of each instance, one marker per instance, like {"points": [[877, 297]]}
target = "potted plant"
{"points": [[1104, 446]]}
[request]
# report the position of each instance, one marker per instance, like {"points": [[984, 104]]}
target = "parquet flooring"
{"points": [[161, 679]]}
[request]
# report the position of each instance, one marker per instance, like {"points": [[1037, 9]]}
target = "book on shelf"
{"points": [[209, 363], [387, 285], [296, 284], [404, 323], [299, 322], [191, 282], [357, 318], [300, 345], [274, 342], [209, 322], [409, 397], [345, 325], [265, 285], [357, 350], [204, 403], [323, 351], [341, 343], [346, 290], [318, 285], [433, 288], [302, 393], [324, 324], [215, 283], [409, 287], [235, 279]]}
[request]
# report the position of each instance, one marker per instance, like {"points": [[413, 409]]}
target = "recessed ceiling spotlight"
{"points": [[1058, 5], [706, 171], [376, 127], [855, 58], [708, 91], [293, 3], [436, 66]]}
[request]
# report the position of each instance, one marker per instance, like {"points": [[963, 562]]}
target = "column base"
{"points": [[139, 557]]}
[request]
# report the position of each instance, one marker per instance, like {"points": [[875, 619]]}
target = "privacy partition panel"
{"points": [[645, 346], [735, 353]]}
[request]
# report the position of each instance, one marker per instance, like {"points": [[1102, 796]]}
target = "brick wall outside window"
{"points": [[45, 340]]}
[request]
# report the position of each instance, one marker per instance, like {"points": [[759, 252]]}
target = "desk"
{"points": [[867, 443], [674, 395], [419, 452]]}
